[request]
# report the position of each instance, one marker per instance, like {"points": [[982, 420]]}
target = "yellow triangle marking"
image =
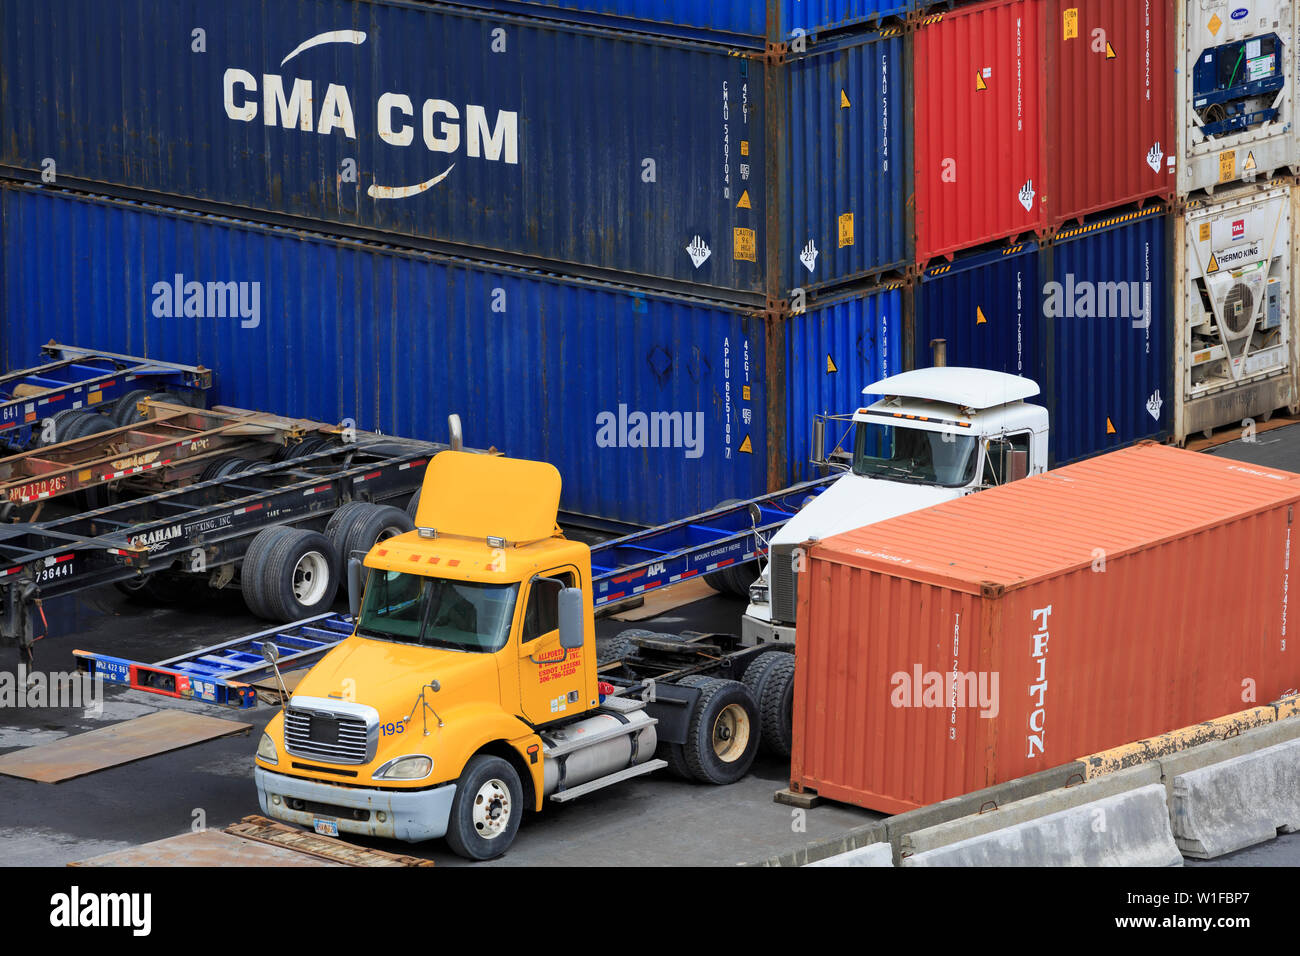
{"points": [[1110, 51], [830, 366], [747, 446], [1213, 266], [1250, 160], [1110, 427], [979, 316], [744, 201], [979, 81], [844, 100]]}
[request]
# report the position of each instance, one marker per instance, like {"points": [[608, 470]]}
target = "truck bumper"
{"points": [[756, 631], [412, 816]]}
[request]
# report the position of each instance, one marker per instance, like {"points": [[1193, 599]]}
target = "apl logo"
{"points": [[1238, 230], [441, 124]]}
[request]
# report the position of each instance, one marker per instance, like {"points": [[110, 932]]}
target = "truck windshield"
{"points": [[910, 454], [436, 612]]}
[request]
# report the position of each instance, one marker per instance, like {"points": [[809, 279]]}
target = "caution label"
{"points": [[1071, 22], [1110, 427], [744, 201], [745, 245], [846, 230], [744, 147], [747, 446], [1110, 51], [1227, 166], [1250, 162], [1213, 267], [980, 318], [744, 393], [1205, 232], [844, 100], [979, 82], [831, 368]]}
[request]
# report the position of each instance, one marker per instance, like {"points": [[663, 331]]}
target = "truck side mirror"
{"points": [[354, 587], [572, 635]]}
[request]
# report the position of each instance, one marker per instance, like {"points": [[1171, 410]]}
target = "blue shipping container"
{"points": [[833, 352], [742, 22], [662, 163], [1088, 317], [651, 407]]}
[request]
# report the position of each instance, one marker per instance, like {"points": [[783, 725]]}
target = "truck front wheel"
{"points": [[486, 810], [722, 738]]}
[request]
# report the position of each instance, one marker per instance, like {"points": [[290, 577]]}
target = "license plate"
{"points": [[326, 827]]}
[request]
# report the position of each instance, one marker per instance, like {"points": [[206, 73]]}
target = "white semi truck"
{"points": [[937, 434]]}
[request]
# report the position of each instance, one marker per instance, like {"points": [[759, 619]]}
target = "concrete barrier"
{"points": [[857, 838], [1124, 829], [877, 854], [1238, 802]]}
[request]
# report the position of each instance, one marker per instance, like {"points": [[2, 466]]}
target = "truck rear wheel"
{"points": [[723, 733], [289, 574], [777, 706], [486, 810]]}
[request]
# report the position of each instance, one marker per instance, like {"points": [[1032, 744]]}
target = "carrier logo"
{"points": [[1240, 13], [443, 127]]}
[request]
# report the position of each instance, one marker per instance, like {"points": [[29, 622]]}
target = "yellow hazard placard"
{"points": [[1213, 267], [1110, 427], [1250, 163], [979, 82], [744, 147], [1205, 232], [980, 318], [844, 100], [831, 368], [1215, 24], [1110, 51], [94, 398], [1071, 19], [744, 393], [746, 247], [747, 446], [744, 201], [1227, 166], [846, 230]]}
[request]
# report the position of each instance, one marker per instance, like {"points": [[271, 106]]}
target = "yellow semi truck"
{"points": [[471, 689]]}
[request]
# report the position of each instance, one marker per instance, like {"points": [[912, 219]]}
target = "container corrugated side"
{"points": [[1110, 123], [833, 352], [987, 308], [747, 22], [528, 142], [536, 366], [980, 115], [1004, 588], [1109, 315]]}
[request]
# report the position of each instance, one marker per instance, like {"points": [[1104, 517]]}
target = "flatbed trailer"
{"points": [[208, 527], [626, 567], [173, 445], [77, 378]]}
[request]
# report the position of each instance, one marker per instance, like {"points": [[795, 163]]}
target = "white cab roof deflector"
{"points": [[966, 387]]}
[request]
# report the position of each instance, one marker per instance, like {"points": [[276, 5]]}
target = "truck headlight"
{"points": [[406, 768], [266, 750], [758, 593]]}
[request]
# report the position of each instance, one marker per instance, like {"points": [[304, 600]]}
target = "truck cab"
{"points": [[468, 691], [937, 434]]}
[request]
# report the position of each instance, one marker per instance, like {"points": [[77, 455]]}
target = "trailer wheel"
{"points": [[305, 447], [722, 737], [225, 467], [733, 581], [62, 420], [336, 529], [157, 589], [124, 409], [376, 523], [486, 810], [413, 506], [251, 575], [777, 706], [299, 576], [83, 424]]}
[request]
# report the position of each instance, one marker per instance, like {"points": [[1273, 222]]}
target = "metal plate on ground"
{"points": [[328, 847], [268, 688], [112, 746], [205, 848]]}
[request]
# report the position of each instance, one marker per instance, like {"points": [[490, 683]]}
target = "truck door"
{"points": [[550, 679]]}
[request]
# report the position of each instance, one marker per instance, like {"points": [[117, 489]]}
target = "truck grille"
{"points": [[783, 583], [333, 738]]}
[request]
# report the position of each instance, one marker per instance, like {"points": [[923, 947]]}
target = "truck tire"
{"points": [[336, 529], [614, 649], [225, 467], [157, 589], [303, 448], [299, 576], [84, 424], [413, 506], [486, 810], [250, 570], [675, 754], [733, 581], [62, 420], [376, 523], [777, 706], [755, 679], [723, 733], [124, 410]]}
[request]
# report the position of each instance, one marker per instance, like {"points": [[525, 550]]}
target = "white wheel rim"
{"points": [[386, 534], [311, 576], [491, 814]]}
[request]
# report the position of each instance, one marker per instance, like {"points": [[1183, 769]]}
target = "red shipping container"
{"points": [[1033, 113], [1111, 112], [1027, 626]]}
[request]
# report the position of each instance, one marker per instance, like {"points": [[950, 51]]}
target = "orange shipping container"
{"points": [[1029, 625]]}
